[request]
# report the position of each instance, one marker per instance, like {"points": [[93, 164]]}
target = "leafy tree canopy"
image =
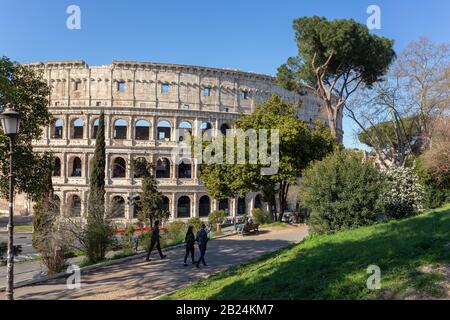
{"points": [[342, 46], [386, 133], [28, 92]]}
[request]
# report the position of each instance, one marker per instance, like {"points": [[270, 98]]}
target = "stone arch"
{"points": [[185, 128], [57, 167], [136, 207], [74, 202], [120, 129], [164, 130], [95, 124], [119, 166], [118, 207], [224, 127], [184, 207], [241, 206], [76, 167], [142, 130], [162, 168], [204, 206], [57, 129], [258, 204], [185, 169], [77, 127], [165, 203], [224, 205]]}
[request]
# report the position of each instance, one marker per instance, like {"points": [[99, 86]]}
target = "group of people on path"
{"points": [[201, 238]]}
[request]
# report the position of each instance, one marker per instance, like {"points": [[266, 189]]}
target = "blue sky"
{"points": [[249, 35]]}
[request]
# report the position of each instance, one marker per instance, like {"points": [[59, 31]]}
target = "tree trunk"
{"points": [[282, 196]]}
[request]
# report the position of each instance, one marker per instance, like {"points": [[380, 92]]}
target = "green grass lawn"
{"points": [[335, 266], [25, 228], [276, 224]]}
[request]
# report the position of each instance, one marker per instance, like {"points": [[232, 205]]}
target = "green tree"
{"points": [[341, 192], [298, 145], [49, 239], [150, 200], [25, 88], [334, 58], [99, 230], [217, 217], [44, 212], [97, 169]]}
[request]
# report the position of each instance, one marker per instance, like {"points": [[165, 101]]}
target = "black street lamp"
{"points": [[10, 121]]}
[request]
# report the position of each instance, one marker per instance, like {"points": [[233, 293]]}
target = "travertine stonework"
{"points": [[133, 91]]}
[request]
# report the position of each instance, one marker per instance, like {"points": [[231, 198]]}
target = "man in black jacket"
{"points": [[155, 241], [202, 239]]}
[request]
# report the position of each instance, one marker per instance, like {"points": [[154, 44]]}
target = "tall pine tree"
{"points": [[97, 172], [99, 231]]}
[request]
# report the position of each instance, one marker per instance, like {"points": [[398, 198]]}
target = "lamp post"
{"points": [[10, 121]]}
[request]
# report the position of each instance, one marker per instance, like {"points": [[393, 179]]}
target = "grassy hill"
{"points": [[413, 254]]}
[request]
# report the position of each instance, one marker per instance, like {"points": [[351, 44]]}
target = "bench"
{"points": [[249, 228]]}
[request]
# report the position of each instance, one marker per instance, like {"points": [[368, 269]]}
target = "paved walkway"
{"points": [[137, 279]]}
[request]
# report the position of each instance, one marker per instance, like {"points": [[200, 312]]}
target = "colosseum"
{"points": [[144, 104]]}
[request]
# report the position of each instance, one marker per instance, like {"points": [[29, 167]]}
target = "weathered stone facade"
{"points": [[144, 103]]}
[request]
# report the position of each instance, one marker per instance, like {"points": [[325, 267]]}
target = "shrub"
{"points": [[128, 237], [144, 240], [436, 189], [216, 217], [260, 216], [435, 196], [176, 232], [196, 222], [54, 256], [403, 194], [341, 192]]}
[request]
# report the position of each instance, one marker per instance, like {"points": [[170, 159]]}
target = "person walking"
{"points": [[154, 237], [190, 242], [202, 239]]}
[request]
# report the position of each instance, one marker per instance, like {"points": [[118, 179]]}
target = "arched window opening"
{"points": [[76, 167], [57, 129], [75, 206], [184, 169], [57, 167], [223, 128], [206, 127], [77, 130], [118, 207], [164, 129], [204, 207], [136, 207], [165, 203], [162, 168], [120, 129], [258, 202], [223, 206], [119, 168], [241, 207], [185, 130], [142, 131], [95, 128], [184, 207]]}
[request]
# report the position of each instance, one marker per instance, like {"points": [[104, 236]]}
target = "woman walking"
{"points": [[190, 241]]}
